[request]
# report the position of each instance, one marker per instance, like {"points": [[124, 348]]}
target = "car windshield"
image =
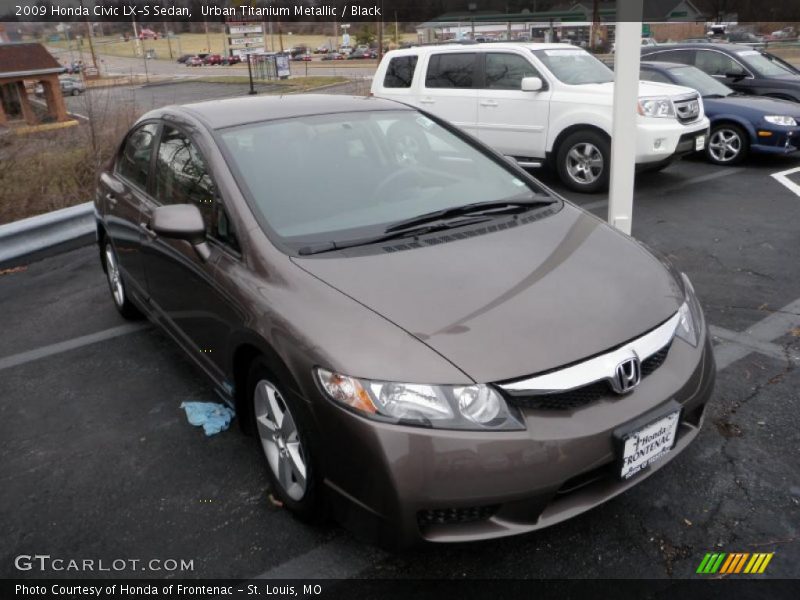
{"points": [[705, 84], [574, 66], [338, 177], [764, 65]]}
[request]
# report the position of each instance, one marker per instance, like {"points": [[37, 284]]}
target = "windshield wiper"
{"points": [[509, 205], [323, 247]]}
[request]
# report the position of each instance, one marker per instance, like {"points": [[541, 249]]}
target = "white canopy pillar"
{"points": [[626, 97]]}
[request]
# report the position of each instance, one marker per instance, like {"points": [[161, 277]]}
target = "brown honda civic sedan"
{"points": [[426, 342]]}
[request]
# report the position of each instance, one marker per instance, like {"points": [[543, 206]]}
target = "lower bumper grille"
{"points": [[449, 516]]}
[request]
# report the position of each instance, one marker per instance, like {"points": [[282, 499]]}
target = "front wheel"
{"points": [[727, 145], [582, 161], [285, 438], [116, 284]]}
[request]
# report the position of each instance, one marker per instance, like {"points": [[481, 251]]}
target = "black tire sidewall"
{"points": [[602, 143], [311, 507], [742, 153]]}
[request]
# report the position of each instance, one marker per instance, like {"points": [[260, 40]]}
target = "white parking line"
{"points": [[45, 351], [783, 179]]}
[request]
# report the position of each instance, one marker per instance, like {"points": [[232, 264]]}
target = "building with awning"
{"points": [[23, 65]]}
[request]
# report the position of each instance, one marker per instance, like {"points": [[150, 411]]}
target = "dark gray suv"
{"points": [[425, 341]]}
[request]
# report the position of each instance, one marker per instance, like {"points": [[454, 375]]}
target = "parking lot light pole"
{"points": [[626, 98]]}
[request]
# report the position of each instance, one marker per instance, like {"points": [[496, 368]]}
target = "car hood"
{"points": [[513, 302], [646, 89], [757, 105]]}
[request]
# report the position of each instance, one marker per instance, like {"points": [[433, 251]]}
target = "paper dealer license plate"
{"points": [[699, 142], [644, 446]]}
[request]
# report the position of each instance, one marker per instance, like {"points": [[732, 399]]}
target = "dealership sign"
{"points": [[239, 29], [245, 41]]}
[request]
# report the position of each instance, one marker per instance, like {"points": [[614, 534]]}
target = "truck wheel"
{"points": [[727, 145], [287, 442], [582, 161]]}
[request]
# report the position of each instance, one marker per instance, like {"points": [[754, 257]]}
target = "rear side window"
{"points": [[684, 57], [134, 162], [400, 72], [451, 71], [506, 71]]}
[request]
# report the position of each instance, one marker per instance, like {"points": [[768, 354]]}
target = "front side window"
{"points": [[182, 177], [716, 63], [400, 72], [766, 65], [339, 177], [134, 161], [506, 71], [574, 66], [456, 70]]}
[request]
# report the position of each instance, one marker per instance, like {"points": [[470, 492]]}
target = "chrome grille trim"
{"points": [[687, 108], [599, 368]]}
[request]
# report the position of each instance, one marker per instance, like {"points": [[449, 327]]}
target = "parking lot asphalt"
{"points": [[97, 459]]}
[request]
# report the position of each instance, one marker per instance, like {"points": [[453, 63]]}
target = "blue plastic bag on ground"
{"points": [[211, 416]]}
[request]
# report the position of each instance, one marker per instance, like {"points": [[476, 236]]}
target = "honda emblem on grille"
{"points": [[627, 375]]}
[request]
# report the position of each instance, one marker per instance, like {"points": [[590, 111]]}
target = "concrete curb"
{"points": [[50, 233]]}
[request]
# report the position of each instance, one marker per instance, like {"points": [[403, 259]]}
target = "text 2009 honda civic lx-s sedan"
{"points": [[422, 338]]}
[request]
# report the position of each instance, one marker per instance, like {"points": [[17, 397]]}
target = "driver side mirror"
{"points": [[735, 75], [182, 222], [532, 84]]}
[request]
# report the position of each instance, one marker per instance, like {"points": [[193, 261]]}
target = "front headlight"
{"points": [[656, 107], [781, 120], [476, 407], [690, 316]]}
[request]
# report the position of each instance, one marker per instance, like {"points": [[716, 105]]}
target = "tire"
{"points": [[286, 439], [75, 92], [116, 284], [728, 145], [583, 161]]}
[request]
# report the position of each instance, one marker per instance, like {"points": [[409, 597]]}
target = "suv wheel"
{"points": [[582, 161], [116, 284], [727, 145], [286, 441]]}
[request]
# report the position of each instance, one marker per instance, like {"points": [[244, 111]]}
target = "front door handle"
{"points": [[489, 103], [148, 232], [427, 101], [112, 200]]}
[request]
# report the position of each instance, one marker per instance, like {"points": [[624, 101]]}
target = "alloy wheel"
{"points": [[280, 440], [585, 163], [114, 277], [725, 145]]}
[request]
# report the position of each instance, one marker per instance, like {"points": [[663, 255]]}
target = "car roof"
{"points": [[662, 64], [733, 48], [460, 47], [218, 114]]}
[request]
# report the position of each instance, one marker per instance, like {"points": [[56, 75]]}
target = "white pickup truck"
{"points": [[543, 102]]}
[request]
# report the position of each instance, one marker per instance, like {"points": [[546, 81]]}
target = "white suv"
{"points": [[538, 102]]}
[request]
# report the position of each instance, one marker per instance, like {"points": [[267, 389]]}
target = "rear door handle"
{"points": [[489, 103], [427, 101]]}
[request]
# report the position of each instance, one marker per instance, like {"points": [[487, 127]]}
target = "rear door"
{"points": [[182, 287], [509, 120], [449, 88], [123, 193]]}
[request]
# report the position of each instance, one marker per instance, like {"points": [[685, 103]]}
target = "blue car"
{"points": [[740, 124]]}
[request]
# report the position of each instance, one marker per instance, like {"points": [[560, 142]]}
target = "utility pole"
{"points": [[208, 39], [169, 43], [91, 45]]}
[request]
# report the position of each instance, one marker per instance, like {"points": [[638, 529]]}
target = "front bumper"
{"points": [[781, 140], [404, 485], [658, 141]]}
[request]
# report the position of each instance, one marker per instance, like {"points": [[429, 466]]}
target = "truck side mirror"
{"points": [[532, 84]]}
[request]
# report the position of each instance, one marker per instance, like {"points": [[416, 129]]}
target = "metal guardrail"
{"points": [[54, 231]]}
